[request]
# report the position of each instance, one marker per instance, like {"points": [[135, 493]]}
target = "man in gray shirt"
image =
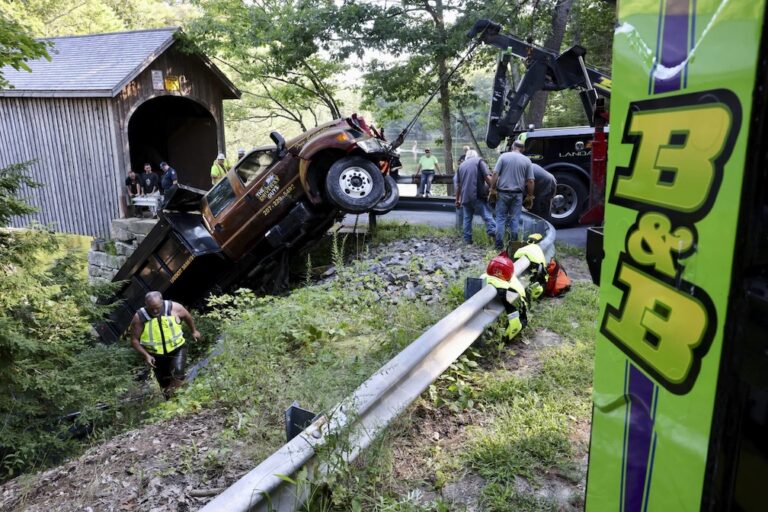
{"points": [[472, 193], [511, 176], [544, 189]]}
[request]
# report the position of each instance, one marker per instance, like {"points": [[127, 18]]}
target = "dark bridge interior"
{"points": [[178, 131]]}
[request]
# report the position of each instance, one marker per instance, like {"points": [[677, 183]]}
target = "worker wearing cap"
{"points": [[219, 168]]}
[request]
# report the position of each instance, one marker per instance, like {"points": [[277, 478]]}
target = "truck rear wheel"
{"points": [[354, 184], [574, 194], [391, 197]]}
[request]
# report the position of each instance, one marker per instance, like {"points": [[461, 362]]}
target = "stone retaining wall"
{"points": [[107, 255]]}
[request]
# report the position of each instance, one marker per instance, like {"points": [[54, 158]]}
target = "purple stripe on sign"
{"points": [[641, 390], [674, 50]]}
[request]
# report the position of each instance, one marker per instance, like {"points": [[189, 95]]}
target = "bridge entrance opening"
{"points": [[178, 131]]}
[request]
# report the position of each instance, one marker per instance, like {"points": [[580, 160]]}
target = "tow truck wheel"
{"points": [[391, 197], [354, 184], [574, 194]]}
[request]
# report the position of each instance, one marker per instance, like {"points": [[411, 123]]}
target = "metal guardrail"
{"points": [[429, 204], [364, 414]]}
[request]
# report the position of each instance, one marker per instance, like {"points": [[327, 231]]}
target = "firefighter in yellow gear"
{"points": [[538, 268], [500, 273]]}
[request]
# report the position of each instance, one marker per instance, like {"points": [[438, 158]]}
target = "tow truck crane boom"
{"points": [[547, 71]]}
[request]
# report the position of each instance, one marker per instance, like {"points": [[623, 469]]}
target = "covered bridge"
{"points": [[106, 103]]}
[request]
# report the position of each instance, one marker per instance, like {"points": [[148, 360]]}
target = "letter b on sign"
{"points": [[679, 151]]}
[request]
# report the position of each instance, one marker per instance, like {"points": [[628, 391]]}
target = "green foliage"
{"points": [[17, 46], [49, 362], [504, 498], [48, 18], [280, 52], [456, 388]]}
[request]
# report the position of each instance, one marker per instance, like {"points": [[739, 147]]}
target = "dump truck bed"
{"points": [[178, 258]]}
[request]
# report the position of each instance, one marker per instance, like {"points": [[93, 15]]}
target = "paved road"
{"points": [[576, 236]]}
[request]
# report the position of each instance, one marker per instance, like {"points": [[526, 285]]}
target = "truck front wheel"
{"points": [[574, 194], [354, 184]]}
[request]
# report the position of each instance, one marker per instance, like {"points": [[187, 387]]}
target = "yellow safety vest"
{"points": [[533, 252], [161, 335], [218, 171], [513, 284]]}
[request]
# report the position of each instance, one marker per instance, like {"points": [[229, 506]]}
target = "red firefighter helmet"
{"points": [[501, 266]]}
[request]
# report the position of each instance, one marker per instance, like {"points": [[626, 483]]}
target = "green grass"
{"points": [[313, 346], [390, 231], [534, 415], [320, 342]]}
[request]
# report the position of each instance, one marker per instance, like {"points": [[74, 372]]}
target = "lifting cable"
{"points": [[401, 137]]}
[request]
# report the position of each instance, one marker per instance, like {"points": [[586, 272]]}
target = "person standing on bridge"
{"points": [[472, 182], [156, 334], [219, 168], [426, 171], [169, 182], [511, 177]]}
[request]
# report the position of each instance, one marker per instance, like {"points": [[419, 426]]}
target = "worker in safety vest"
{"points": [[219, 168], [156, 334], [538, 267], [500, 273]]}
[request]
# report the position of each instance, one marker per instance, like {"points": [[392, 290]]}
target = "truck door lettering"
{"points": [[653, 242]]}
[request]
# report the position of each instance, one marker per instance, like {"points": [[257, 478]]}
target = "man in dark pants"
{"points": [[156, 334], [512, 177], [472, 194], [543, 190], [169, 180]]}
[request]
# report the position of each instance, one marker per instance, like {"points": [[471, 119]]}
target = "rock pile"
{"points": [[414, 268]]}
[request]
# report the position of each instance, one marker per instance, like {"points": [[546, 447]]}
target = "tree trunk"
{"points": [[445, 115], [445, 97], [471, 132], [553, 42]]}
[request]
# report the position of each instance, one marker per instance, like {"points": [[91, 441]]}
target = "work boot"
{"points": [[169, 391]]}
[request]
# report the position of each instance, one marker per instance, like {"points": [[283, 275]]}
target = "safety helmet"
{"points": [[501, 266]]}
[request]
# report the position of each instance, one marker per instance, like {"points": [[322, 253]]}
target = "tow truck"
{"points": [[577, 167]]}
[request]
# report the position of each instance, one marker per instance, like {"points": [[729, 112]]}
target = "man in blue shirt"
{"points": [[169, 179]]}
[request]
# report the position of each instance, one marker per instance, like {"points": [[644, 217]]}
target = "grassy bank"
{"points": [[314, 345], [506, 429]]}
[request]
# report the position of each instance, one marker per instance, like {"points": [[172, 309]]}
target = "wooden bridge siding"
{"points": [[201, 85], [73, 143]]}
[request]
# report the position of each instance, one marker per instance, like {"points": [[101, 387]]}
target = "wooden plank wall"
{"points": [[74, 144], [199, 84]]}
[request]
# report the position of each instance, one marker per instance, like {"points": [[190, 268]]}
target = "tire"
{"points": [[354, 184], [574, 193], [390, 199]]}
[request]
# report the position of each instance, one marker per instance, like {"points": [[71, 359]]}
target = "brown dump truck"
{"points": [[275, 201]]}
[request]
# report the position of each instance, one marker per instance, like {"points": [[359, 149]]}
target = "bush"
{"points": [[50, 363]]}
